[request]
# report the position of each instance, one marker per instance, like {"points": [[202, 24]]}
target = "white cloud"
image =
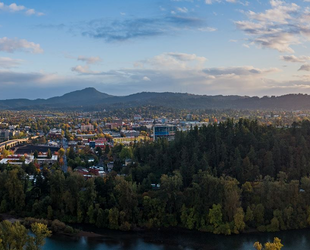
{"points": [[6, 62], [85, 69], [145, 78], [292, 58], [12, 45], [305, 67], [173, 60], [182, 10], [280, 41], [14, 7], [182, 1], [207, 29], [228, 1], [89, 60], [82, 69], [169, 71], [281, 12], [211, 1], [30, 12], [174, 71], [18, 8], [186, 57], [279, 27], [239, 71]]}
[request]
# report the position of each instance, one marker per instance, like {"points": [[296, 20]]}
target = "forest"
{"points": [[224, 178]]}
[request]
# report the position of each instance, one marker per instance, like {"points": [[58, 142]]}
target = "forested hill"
{"points": [[225, 178], [92, 99]]}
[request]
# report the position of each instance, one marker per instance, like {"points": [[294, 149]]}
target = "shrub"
{"points": [[125, 226], [57, 226], [69, 230], [29, 221]]}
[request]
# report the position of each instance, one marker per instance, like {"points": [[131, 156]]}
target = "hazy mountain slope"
{"points": [[92, 99], [85, 97]]}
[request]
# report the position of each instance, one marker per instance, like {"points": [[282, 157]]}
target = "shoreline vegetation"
{"points": [[80, 230], [57, 227], [41, 229], [16, 236]]}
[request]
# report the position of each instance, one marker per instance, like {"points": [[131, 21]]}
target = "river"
{"points": [[114, 240]]}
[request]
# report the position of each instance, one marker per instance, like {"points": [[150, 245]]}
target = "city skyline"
{"points": [[119, 47]]}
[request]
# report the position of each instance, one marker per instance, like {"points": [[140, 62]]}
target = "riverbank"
{"points": [[92, 238], [88, 234], [190, 240], [90, 231], [9, 218]]}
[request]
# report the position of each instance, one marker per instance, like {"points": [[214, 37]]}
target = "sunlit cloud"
{"points": [[279, 27], [13, 45]]}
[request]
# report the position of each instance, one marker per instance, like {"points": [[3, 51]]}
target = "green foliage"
{"points": [[16, 236], [125, 226], [3, 206], [113, 218], [275, 245], [249, 215], [239, 223], [49, 212], [13, 236], [274, 225], [100, 222], [69, 230], [125, 153], [259, 212], [41, 232], [224, 178], [57, 226], [49, 154], [91, 214], [216, 216]]}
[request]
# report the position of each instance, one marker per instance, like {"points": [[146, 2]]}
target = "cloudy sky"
{"points": [[255, 47]]}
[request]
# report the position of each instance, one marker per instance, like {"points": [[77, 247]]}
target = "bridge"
{"points": [[12, 143]]}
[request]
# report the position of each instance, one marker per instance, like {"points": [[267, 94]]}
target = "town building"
{"points": [[164, 131], [55, 133], [85, 128], [137, 117]]}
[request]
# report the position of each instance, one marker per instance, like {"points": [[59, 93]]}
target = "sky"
{"points": [[121, 47]]}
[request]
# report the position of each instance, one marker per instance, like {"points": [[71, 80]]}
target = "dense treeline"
{"points": [[243, 150], [224, 178]]}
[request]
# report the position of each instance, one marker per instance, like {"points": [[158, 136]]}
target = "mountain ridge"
{"points": [[91, 98]]}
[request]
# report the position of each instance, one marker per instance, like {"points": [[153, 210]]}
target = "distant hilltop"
{"points": [[92, 99]]}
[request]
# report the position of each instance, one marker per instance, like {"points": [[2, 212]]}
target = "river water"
{"points": [[176, 240]]}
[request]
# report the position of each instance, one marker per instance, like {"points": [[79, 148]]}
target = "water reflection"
{"points": [[176, 240]]}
